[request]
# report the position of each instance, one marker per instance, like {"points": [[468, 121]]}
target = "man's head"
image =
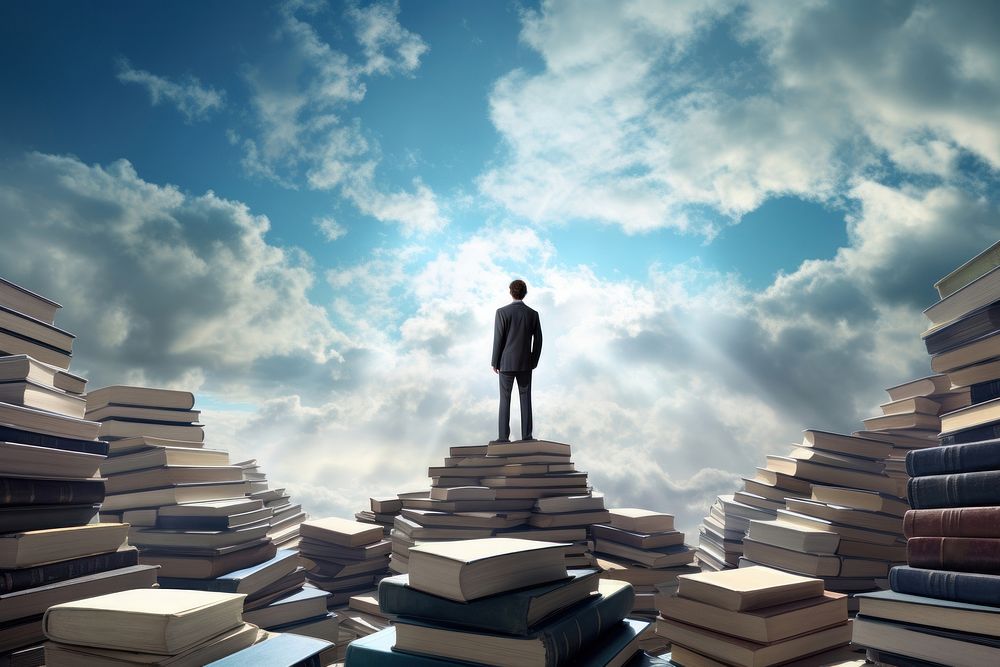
{"points": [[518, 289]]}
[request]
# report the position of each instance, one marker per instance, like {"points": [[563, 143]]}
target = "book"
{"points": [[846, 532], [41, 575], [12, 434], [953, 522], [155, 538], [821, 457], [917, 404], [29, 460], [619, 645], [560, 504], [766, 625], [57, 491], [220, 646], [949, 647], [154, 621], [868, 501], [975, 374], [640, 520], [282, 650], [661, 557], [787, 535], [165, 456], [141, 397], [47, 423], [302, 604], [978, 293], [13, 343], [553, 643], [743, 653], [35, 330], [816, 565], [170, 475], [846, 444], [964, 330], [512, 613], [38, 517], [968, 587], [569, 519], [831, 475], [976, 267], [209, 565], [965, 554], [968, 457], [144, 442], [956, 490], [343, 532], [174, 495], [914, 420], [27, 302], [849, 516], [118, 428], [527, 447], [984, 391], [748, 588], [28, 393], [977, 434], [978, 351], [925, 386], [973, 416], [211, 508], [386, 505], [224, 522], [473, 569], [34, 601], [138, 413], [247, 580], [893, 606], [464, 493], [667, 538], [38, 547]]}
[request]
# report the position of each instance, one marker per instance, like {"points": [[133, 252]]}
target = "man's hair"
{"points": [[518, 289]]}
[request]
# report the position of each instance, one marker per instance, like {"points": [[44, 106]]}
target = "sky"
{"points": [[729, 215]]}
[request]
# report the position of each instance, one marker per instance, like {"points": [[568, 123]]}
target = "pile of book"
{"points": [[500, 601], [754, 617], [285, 516], [147, 627], [643, 548], [382, 511], [721, 533], [50, 489], [944, 605], [526, 489]]}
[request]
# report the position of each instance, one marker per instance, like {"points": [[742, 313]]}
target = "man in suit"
{"points": [[517, 345]]}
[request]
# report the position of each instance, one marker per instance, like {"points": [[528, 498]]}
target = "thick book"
{"points": [[473, 569], [174, 495], [554, 643], [962, 616], [846, 444], [138, 413], [303, 604], [281, 650], [120, 428], [816, 565], [27, 302], [946, 647], [953, 522], [165, 456], [978, 351], [31, 461], [248, 580], [209, 565], [40, 517], [976, 324], [155, 538], [964, 554], [976, 434], [512, 613], [976, 267], [641, 520], [24, 367], [59, 491], [972, 416], [788, 535], [154, 478], [967, 489], [619, 644], [341, 532], [140, 396], [978, 293], [38, 547], [660, 557], [968, 587], [770, 624], [159, 620], [14, 343], [984, 391], [968, 457], [748, 588], [31, 394], [41, 575], [12, 433], [638, 540], [925, 386], [48, 423]]}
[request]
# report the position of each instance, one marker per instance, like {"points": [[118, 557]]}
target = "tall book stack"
{"points": [[500, 601], [643, 548], [754, 617], [285, 517], [147, 627], [50, 488], [721, 533], [528, 489], [944, 605]]}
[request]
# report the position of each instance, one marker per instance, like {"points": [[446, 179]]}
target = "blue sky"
{"points": [[730, 215]]}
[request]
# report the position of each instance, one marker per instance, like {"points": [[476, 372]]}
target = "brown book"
{"points": [[341, 532], [766, 625], [953, 522], [748, 588], [962, 554]]}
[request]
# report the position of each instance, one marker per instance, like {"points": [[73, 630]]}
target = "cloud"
{"points": [[330, 228], [194, 100], [646, 114]]}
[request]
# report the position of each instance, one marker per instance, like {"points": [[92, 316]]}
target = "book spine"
{"points": [[12, 581], [967, 489], [969, 457], [507, 614], [987, 432], [966, 587], [953, 522], [27, 491], [12, 434], [564, 639], [985, 391], [965, 554]]}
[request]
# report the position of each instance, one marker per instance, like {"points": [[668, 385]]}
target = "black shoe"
{"points": [[499, 442]]}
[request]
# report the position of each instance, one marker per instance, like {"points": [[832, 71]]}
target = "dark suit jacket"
{"points": [[513, 350]]}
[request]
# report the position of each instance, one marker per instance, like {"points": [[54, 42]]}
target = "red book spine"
{"points": [[953, 522], [963, 554]]}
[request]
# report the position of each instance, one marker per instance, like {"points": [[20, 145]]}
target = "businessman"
{"points": [[517, 345]]}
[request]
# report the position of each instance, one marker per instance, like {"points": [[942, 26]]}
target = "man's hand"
{"points": [[497, 371]]}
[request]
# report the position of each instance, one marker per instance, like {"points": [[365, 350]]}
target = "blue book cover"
{"points": [[230, 583], [966, 489], [284, 650], [968, 457], [967, 587]]}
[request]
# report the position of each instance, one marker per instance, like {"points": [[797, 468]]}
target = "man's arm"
{"points": [[499, 338], [536, 344]]}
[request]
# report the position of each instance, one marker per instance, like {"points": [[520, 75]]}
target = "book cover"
{"points": [[970, 587], [967, 457], [965, 554], [953, 522], [967, 489]]}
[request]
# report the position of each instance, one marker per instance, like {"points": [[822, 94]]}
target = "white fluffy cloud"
{"points": [[193, 99], [637, 118]]}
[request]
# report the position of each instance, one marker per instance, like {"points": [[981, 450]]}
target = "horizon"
{"points": [[729, 215]]}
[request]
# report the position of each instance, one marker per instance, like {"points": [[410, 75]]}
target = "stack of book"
{"points": [[753, 617], [382, 510], [527, 489], [50, 488], [286, 516], [147, 627], [641, 547], [721, 533], [500, 601]]}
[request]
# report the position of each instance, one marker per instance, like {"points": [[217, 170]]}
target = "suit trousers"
{"points": [[524, 390]]}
